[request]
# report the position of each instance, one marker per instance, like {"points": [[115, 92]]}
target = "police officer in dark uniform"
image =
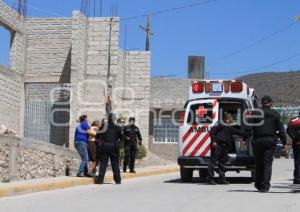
{"points": [[110, 136], [268, 127], [293, 131], [222, 139], [132, 137]]}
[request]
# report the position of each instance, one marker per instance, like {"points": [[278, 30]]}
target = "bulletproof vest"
{"points": [[269, 126]]}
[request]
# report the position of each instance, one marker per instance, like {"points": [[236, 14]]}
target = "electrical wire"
{"points": [[159, 12], [250, 71], [251, 45]]}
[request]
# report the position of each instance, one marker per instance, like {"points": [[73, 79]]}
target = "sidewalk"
{"points": [[25, 187]]}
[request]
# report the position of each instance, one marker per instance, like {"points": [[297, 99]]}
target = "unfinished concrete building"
{"points": [[60, 68]]}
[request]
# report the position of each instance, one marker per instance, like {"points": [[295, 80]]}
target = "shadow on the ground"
{"points": [[270, 192], [287, 188], [232, 180], [293, 188]]}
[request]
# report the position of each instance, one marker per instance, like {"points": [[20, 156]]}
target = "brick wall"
{"points": [[11, 99]]}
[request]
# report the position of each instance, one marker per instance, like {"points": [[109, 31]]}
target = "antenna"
{"points": [[148, 32], [21, 7]]}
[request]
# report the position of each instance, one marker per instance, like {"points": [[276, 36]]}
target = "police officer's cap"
{"points": [[266, 100]]}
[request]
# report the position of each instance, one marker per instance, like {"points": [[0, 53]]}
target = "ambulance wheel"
{"points": [[203, 173], [186, 175]]}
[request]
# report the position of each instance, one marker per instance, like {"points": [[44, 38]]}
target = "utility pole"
{"points": [[108, 85], [148, 32]]}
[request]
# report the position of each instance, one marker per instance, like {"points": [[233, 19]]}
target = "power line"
{"points": [[25, 4], [45, 11], [85, 6], [159, 12], [262, 67], [252, 44]]}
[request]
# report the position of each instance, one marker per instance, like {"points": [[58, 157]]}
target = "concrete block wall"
{"points": [[78, 68], [98, 45], [75, 50], [48, 51], [11, 80], [11, 99], [131, 89], [97, 63], [10, 19], [17, 52], [130, 71]]}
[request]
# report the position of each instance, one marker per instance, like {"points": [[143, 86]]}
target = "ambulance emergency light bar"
{"points": [[217, 86]]}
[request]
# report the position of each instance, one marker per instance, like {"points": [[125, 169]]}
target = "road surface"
{"points": [[166, 193]]}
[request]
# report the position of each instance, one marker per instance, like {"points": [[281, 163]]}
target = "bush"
{"points": [[141, 152]]}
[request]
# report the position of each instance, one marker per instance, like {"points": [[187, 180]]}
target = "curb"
{"points": [[53, 184]]}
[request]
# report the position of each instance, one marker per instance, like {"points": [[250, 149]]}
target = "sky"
{"points": [[237, 37]]}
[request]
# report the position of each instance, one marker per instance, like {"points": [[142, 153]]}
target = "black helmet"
{"points": [[266, 99]]}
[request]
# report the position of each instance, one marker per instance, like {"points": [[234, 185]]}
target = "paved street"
{"points": [[166, 193]]}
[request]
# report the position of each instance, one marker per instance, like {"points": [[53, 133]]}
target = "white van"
{"points": [[208, 101]]}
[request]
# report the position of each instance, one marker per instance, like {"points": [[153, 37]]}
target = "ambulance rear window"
{"points": [[201, 113]]}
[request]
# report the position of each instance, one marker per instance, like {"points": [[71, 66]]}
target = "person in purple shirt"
{"points": [[81, 144]]}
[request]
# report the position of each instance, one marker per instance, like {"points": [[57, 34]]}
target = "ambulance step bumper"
{"points": [[238, 162]]}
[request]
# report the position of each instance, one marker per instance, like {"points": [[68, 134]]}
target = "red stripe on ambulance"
{"points": [[188, 146], [205, 151], [188, 133], [202, 142]]}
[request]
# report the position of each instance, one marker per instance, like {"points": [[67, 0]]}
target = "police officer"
{"points": [[222, 139], [110, 136], [132, 137], [267, 127], [293, 131]]}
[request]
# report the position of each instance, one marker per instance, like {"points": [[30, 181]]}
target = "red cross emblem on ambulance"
{"points": [[201, 112]]}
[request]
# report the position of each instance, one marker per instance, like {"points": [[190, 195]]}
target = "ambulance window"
{"points": [[235, 109], [200, 114]]}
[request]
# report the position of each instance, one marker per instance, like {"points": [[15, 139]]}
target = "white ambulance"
{"points": [[208, 101]]}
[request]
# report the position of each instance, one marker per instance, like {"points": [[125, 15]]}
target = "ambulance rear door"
{"points": [[194, 136]]}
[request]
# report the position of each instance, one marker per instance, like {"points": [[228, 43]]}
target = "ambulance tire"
{"points": [[203, 173], [186, 174]]}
